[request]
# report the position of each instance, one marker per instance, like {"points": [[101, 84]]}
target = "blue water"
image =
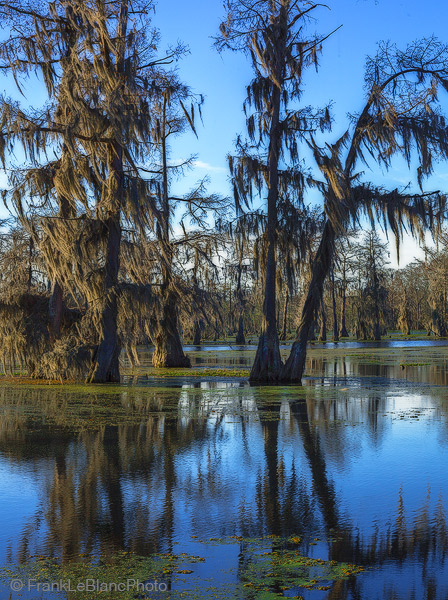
{"points": [[356, 465]]}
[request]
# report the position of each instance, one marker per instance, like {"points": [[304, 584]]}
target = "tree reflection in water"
{"points": [[219, 461]]}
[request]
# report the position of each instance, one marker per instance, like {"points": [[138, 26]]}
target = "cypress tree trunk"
{"points": [[268, 362], [285, 316], [55, 310], [30, 264], [376, 300], [404, 320], [323, 325], [168, 350], [335, 315], [105, 368], [293, 370], [240, 338], [343, 331], [437, 323], [56, 303], [197, 333], [376, 324]]}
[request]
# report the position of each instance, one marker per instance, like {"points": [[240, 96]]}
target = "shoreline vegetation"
{"points": [[370, 354]]}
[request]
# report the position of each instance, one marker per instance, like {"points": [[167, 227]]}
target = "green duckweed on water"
{"points": [[199, 373], [273, 568]]}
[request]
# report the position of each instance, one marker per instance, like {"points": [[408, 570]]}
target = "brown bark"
{"points": [[56, 303], [293, 370], [285, 317], [55, 310], [335, 315], [323, 324], [240, 338], [105, 368], [197, 333], [343, 332], [168, 352]]}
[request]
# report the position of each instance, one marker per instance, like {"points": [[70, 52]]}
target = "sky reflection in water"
{"points": [[356, 459]]}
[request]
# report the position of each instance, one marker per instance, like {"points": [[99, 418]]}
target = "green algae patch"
{"points": [[279, 571], [124, 575], [199, 373], [271, 568], [275, 567]]}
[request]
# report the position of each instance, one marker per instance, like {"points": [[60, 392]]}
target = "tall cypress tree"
{"points": [[273, 34]]}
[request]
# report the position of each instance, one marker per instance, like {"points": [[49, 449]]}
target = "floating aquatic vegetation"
{"points": [[273, 568]]}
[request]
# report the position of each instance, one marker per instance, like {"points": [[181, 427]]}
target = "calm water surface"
{"points": [[355, 462]]}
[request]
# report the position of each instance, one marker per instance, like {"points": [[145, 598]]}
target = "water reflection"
{"points": [[419, 361], [358, 471]]}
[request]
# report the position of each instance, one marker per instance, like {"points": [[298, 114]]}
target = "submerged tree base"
{"points": [[268, 361], [292, 371], [168, 351], [163, 359]]}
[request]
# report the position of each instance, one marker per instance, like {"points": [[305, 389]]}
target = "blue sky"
{"points": [[222, 78]]}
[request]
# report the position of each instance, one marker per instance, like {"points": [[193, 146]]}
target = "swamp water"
{"points": [[336, 489]]}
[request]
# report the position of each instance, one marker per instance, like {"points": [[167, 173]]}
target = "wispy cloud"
{"points": [[198, 164]]}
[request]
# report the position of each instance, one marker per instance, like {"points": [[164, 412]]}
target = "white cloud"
{"points": [[410, 249], [198, 164]]}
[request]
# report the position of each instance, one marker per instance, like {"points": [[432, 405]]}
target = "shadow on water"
{"points": [[354, 462]]}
